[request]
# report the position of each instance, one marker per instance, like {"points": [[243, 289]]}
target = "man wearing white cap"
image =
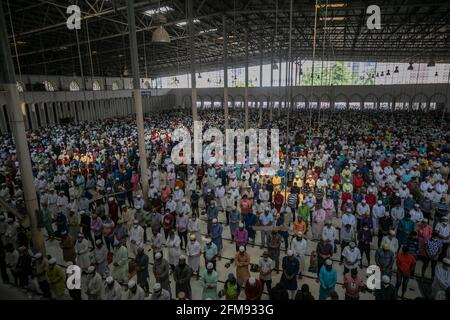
{"points": [[112, 290], [136, 237], [328, 279], [416, 214], [82, 250], [209, 283], [94, 288], [441, 280], [161, 272], [135, 292], [266, 266], [253, 289], [378, 211], [397, 214], [352, 257], [56, 279], [182, 277], [242, 261], [194, 226], [299, 246], [391, 241], [40, 270], [443, 230], [120, 263], [101, 258], [193, 252], [159, 293], [139, 202]]}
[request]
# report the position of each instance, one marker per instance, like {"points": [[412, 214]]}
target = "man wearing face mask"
{"points": [[443, 230], [299, 246], [209, 283], [441, 280], [161, 271], [94, 284], [194, 251], [324, 251], [216, 236], [242, 261], [384, 258], [328, 279], [266, 266], [212, 213], [182, 277], [194, 227], [135, 292], [329, 233], [274, 247], [352, 257], [387, 290], [120, 263], [210, 253], [112, 290], [181, 225], [82, 249], [159, 293], [291, 268], [240, 236], [136, 237], [364, 241], [142, 268]]}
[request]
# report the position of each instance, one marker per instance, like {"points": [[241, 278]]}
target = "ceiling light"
{"points": [[410, 66], [382, 74], [184, 23], [199, 75], [396, 69], [378, 74], [160, 35], [388, 73], [436, 74], [163, 9]]}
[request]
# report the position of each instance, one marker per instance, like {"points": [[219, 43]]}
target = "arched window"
{"points": [[20, 87], [74, 86], [49, 86], [96, 86], [115, 86]]}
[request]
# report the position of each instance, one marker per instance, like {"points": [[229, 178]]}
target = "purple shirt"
{"points": [[240, 236]]}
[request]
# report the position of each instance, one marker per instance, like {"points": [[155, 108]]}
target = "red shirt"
{"points": [[358, 182], [404, 263], [168, 221], [253, 292], [370, 199]]}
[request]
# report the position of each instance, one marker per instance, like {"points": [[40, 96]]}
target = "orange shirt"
{"points": [[404, 263], [299, 226]]}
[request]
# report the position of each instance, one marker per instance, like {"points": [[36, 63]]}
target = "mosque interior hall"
{"points": [[224, 150]]}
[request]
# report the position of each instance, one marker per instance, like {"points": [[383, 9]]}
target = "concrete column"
{"points": [[41, 107], [192, 58], [3, 127], [138, 98], [246, 81], [17, 125], [225, 71]]}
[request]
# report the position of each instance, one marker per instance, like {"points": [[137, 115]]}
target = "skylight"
{"points": [[163, 9], [183, 23]]}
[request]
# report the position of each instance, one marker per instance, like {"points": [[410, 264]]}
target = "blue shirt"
{"points": [[266, 219]]}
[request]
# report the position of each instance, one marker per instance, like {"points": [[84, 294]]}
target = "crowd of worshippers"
{"points": [[350, 182]]}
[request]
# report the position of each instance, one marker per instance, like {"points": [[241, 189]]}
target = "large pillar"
{"points": [[246, 81], [260, 83], [225, 71], [192, 57], [138, 100], [17, 125]]}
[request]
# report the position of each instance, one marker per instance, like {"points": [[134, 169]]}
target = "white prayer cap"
{"points": [[328, 262], [214, 220], [138, 196], [136, 221], [91, 269], [182, 257], [386, 279], [158, 255], [157, 287], [131, 284], [109, 280], [138, 207], [192, 236], [98, 242], [52, 261], [241, 225], [392, 232], [379, 202], [352, 244], [209, 266], [446, 261], [349, 201], [363, 201], [241, 249], [252, 281], [208, 240], [290, 253], [38, 255]]}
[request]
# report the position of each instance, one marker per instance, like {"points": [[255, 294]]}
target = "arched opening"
{"points": [[74, 86], [355, 102], [419, 102], [370, 102]]}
